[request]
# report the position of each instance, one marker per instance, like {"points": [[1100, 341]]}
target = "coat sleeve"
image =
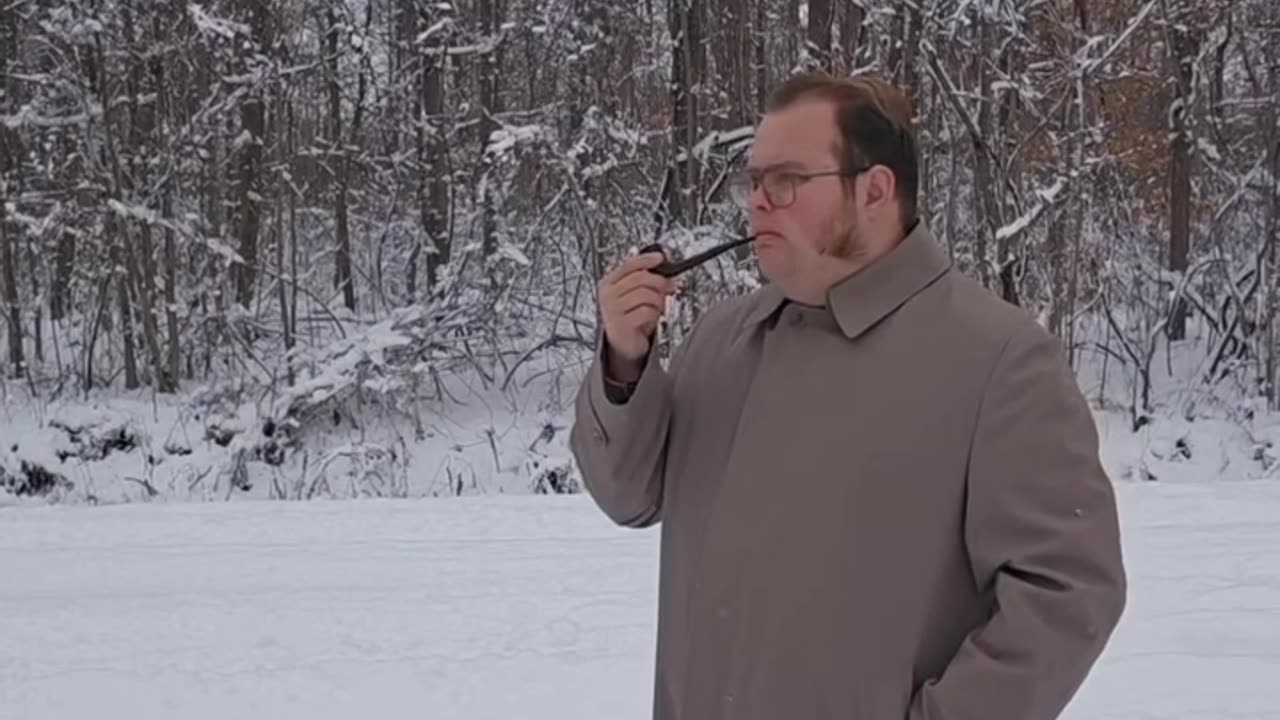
{"points": [[1043, 537], [621, 446]]}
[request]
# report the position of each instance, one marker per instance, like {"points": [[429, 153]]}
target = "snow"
{"points": [[469, 49], [517, 607], [1134, 23], [217, 26], [718, 139], [133, 211], [1208, 149], [434, 29], [1200, 635], [514, 253], [488, 609], [504, 138], [397, 428], [28, 117], [188, 448], [1048, 196]]}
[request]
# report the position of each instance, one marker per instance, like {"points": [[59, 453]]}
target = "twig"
{"points": [[979, 143], [549, 342]]}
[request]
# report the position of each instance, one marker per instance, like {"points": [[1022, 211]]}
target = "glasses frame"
{"points": [[744, 183]]}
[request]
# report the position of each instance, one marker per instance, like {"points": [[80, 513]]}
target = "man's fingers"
{"points": [[641, 296], [643, 279], [634, 299], [644, 317], [643, 261], [654, 284]]}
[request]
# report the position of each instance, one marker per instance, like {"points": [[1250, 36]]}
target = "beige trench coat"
{"points": [[892, 508]]}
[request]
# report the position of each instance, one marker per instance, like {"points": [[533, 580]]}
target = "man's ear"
{"points": [[881, 186]]}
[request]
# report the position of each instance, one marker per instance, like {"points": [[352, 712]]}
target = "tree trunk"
{"points": [[340, 172], [907, 72], [1183, 49], [250, 143], [852, 17], [214, 197], [733, 62], [64, 263], [1003, 137], [490, 14], [1271, 120], [760, 37], [117, 244], [37, 310], [1081, 198], [687, 71], [433, 177], [818, 35], [9, 276], [140, 263], [140, 280], [983, 175], [9, 172], [793, 33], [167, 382]]}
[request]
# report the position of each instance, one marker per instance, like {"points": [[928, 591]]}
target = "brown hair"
{"points": [[874, 120]]}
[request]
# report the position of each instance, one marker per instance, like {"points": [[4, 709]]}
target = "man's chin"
{"points": [[772, 262], [771, 252]]}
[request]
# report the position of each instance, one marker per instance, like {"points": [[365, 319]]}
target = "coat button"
{"points": [[797, 319], [597, 436], [728, 698], [722, 613]]}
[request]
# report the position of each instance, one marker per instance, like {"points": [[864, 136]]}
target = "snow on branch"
{"points": [[980, 143], [509, 136], [719, 141], [26, 117], [386, 359], [216, 26], [1048, 197], [433, 30], [149, 216], [486, 46], [1090, 65]]}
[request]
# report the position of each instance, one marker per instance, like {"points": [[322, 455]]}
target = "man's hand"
{"points": [[632, 301]]}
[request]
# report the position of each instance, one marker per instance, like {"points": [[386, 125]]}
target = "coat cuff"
{"points": [[612, 415]]}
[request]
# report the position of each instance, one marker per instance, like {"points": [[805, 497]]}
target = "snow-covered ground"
{"points": [[459, 434], [516, 607]]}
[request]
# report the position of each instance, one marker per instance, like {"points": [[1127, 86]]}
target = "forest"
{"points": [[276, 216]]}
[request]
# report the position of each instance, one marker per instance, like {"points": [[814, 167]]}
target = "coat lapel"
{"points": [[871, 294], [868, 296]]}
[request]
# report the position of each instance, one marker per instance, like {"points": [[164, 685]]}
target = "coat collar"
{"points": [[871, 294]]}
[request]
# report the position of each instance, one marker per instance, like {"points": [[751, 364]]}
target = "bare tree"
{"points": [[234, 189], [10, 186]]}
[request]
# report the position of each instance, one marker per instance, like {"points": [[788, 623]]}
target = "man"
{"points": [[878, 483]]}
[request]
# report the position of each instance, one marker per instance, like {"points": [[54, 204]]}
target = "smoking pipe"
{"points": [[671, 269]]}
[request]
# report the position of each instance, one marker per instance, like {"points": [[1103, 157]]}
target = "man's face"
{"points": [[820, 220]]}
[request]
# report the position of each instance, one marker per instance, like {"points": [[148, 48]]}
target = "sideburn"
{"points": [[848, 246]]}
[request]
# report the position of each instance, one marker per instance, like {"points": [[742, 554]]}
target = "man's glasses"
{"points": [[779, 186]]}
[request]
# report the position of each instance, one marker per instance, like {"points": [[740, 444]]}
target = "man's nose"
{"points": [[759, 198]]}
